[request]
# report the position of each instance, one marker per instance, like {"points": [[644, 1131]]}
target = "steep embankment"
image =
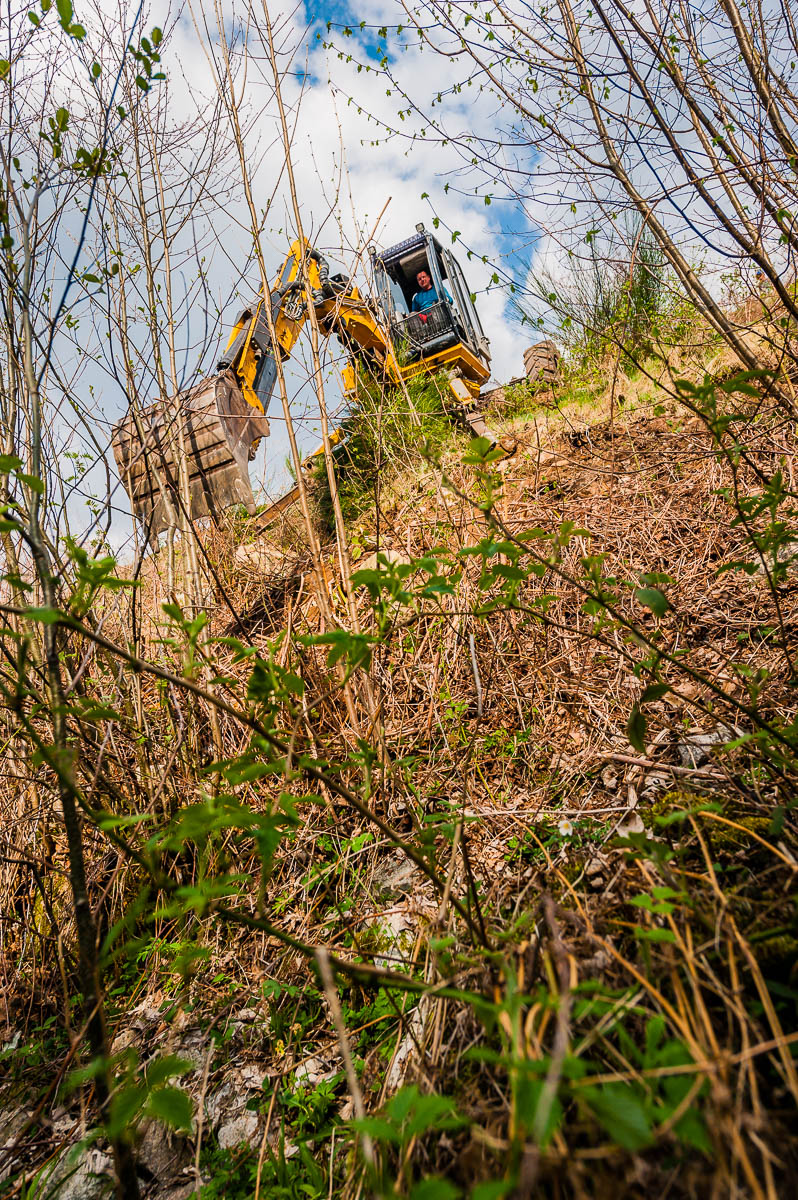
{"points": [[583, 902]]}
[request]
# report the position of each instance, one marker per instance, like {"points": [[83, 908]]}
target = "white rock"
{"points": [[609, 777], [124, 1039], [310, 1072], [259, 556], [145, 1014], [193, 1048], [693, 751], [401, 1060], [596, 865], [12, 1122], [251, 1076], [163, 1153], [656, 782], [184, 1190], [397, 876], [246, 1015], [226, 1107], [371, 561], [85, 1174], [787, 554], [242, 1128], [396, 936]]}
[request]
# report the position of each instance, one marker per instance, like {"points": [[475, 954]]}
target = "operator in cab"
{"points": [[426, 295]]}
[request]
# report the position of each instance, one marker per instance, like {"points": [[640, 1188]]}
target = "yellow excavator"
{"points": [[211, 432]]}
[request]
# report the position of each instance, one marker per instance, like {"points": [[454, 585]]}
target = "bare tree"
{"points": [[684, 116]]}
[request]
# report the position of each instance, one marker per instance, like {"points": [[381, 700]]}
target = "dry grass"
{"points": [[487, 731]]}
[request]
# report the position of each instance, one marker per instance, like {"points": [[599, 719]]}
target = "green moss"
{"points": [[777, 949], [725, 839]]}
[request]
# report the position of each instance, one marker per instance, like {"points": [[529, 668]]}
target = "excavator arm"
{"points": [[249, 352], [192, 451], [339, 308]]}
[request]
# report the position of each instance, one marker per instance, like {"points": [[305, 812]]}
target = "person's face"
{"points": [[423, 280]]}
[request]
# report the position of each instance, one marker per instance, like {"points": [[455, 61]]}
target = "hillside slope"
{"points": [[509, 904]]}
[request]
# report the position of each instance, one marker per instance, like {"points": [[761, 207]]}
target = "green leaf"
{"points": [[44, 615], [90, 711], [497, 1189], [172, 1106], [5, 67], [378, 1129], [654, 599], [660, 907], [109, 821], [691, 1129], [248, 772], [436, 1188], [528, 1096], [261, 685], [165, 1068], [620, 1111], [655, 1031], [96, 70], [126, 1104], [654, 691], [9, 462], [418, 1113], [655, 935], [34, 483], [355, 647], [636, 729], [65, 12]]}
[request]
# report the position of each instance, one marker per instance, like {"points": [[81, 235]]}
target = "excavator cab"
{"points": [[447, 333]]}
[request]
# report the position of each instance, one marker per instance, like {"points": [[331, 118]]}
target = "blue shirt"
{"points": [[423, 300]]}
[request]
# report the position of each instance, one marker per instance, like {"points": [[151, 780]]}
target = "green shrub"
{"points": [[384, 432], [618, 294]]}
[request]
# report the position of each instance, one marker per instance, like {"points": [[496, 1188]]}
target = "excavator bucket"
{"points": [[213, 429]]}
